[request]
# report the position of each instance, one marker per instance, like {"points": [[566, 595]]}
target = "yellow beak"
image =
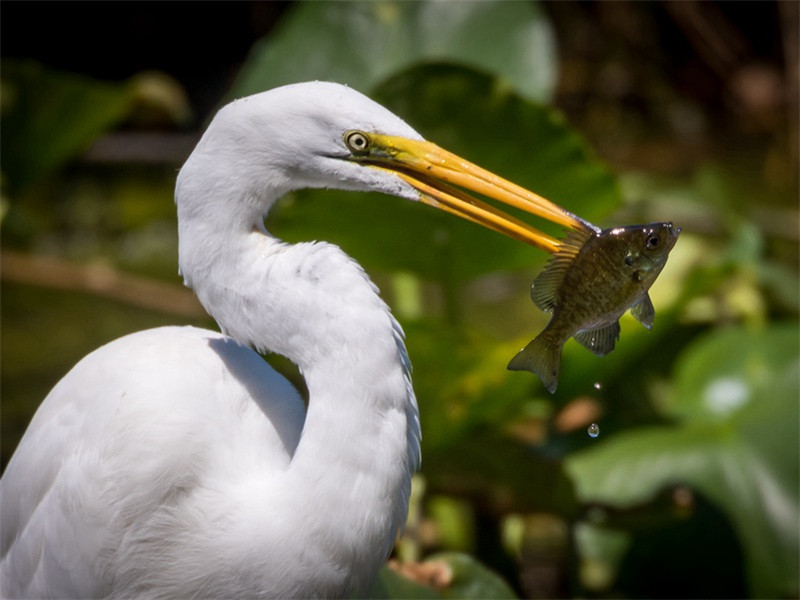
{"points": [[434, 171]]}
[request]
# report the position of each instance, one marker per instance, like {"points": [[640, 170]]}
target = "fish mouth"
{"points": [[674, 232], [445, 180]]}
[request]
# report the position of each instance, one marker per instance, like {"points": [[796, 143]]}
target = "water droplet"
{"points": [[597, 385], [593, 430]]}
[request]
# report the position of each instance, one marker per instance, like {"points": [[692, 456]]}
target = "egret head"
{"points": [[291, 138]]}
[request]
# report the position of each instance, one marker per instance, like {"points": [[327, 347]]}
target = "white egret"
{"points": [[175, 462]]}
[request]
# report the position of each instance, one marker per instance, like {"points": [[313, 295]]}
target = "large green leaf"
{"points": [[363, 43], [735, 398], [470, 114], [49, 116]]}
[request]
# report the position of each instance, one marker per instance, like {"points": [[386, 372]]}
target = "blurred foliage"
{"points": [[49, 117], [362, 44], [732, 405], [691, 488], [443, 575]]}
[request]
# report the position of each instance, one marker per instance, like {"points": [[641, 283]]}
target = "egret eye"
{"points": [[357, 141], [653, 242]]}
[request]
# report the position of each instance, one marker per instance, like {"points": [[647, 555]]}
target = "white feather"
{"points": [[175, 462]]}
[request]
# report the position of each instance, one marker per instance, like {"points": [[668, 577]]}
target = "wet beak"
{"points": [[444, 181]]}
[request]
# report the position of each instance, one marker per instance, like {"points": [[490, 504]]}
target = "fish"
{"points": [[588, 284]]}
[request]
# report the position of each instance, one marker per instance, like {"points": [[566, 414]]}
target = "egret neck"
{"points": [[362, 419]]}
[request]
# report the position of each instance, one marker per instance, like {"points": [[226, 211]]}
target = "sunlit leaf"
{"points": [[363, 43], [735, 398]]}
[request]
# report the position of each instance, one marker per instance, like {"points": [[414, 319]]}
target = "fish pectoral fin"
{"points": [[600, 340], [643, 311], [548, 282], [542, 358]]}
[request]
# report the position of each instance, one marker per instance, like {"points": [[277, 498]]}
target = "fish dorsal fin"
{"points": [[643, 311], [546, 285], [601, 340]]}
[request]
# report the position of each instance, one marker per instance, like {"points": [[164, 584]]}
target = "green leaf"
{"points": [[735, 397], [391, 584], [471, 579], [464, 577], [732, 372], [48, 117], [500, 474], [532, 144], [361, 44]]}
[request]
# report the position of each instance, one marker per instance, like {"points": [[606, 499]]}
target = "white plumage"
{"points": [[175, 462]]}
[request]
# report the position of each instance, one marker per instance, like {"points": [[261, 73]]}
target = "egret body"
{"points": [[175, 462]]}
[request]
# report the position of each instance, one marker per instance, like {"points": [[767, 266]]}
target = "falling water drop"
{"points": [[593, 430]]}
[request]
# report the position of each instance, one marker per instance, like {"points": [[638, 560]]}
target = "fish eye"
{"points": [[653, 242], [357, 141]]}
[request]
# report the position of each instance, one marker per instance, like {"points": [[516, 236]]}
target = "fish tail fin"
{"points": [[542, 357]]}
